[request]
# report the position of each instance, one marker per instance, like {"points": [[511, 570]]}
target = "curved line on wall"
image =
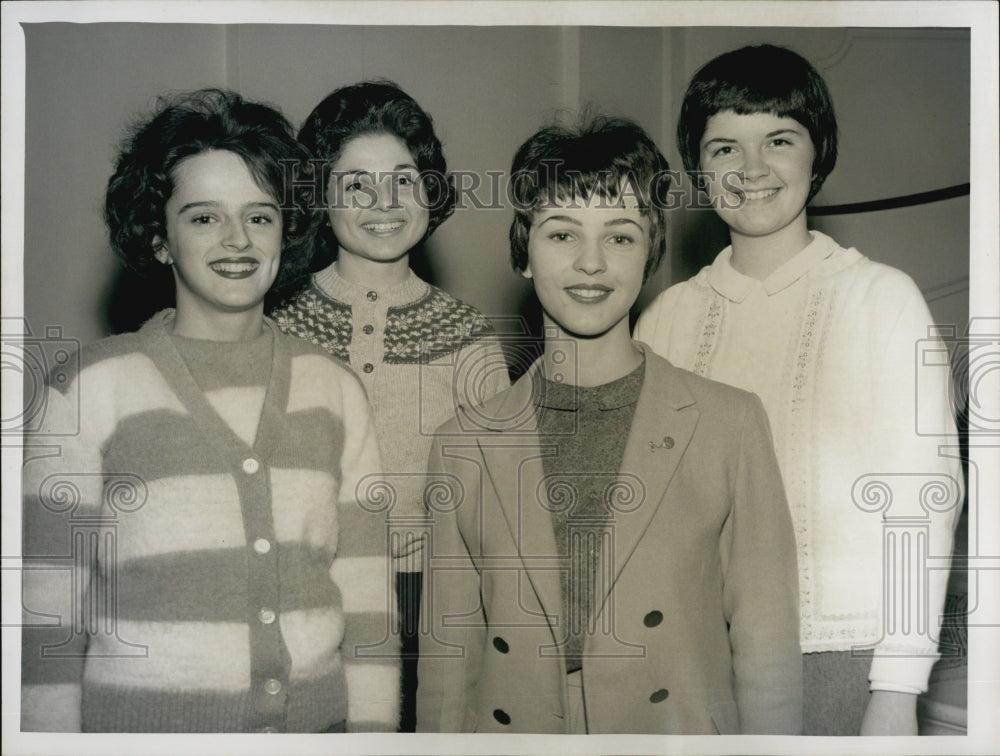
{"points": [[892, 203]]}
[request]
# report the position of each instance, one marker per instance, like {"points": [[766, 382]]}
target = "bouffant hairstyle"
{"points": [[759, 79], [378, 107], [601, 156], [188, 124]]}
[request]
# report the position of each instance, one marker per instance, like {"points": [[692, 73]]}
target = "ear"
{"points": [[526, 273], [160, 251]]}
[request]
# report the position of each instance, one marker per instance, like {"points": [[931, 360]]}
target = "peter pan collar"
{"points": [[735, 286]]}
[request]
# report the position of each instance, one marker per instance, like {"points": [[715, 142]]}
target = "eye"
{"points": [[405, 179], [202, 220], [560, 236], [261, 219], [622, 239], [723, 151], [356, 182], [780, 142]]}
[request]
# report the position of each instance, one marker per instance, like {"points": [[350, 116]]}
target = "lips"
{"points": [[589, 293], [235, 267]]}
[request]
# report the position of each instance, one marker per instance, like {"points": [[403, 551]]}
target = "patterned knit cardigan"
{"points": [[177, 579]]}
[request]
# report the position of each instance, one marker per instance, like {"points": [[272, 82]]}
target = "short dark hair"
{"points": [[378, 107], [188, 124], [593, 158], [760, 79]]}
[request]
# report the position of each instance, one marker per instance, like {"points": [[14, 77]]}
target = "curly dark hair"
{"points": [[378, 107], [190, 123], [759, 79], [599, 156]]}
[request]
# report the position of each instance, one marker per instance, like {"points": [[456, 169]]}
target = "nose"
{"points": [[387, 193], [754, 165], [590, 259], [237, 236]]}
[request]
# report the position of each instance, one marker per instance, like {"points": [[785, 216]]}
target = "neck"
{"points": [[759, 256], [373, 274], [590, 361], [245, 325]]}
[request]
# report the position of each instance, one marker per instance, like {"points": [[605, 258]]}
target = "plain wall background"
{"points": [[902, 98]]}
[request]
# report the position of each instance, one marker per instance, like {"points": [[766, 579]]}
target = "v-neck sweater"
{"points": [[834, 345], [234, 584]]}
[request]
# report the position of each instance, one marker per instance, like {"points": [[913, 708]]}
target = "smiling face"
{"points": [[223, 240], [377, 209], [587, 265], [760, 169]]}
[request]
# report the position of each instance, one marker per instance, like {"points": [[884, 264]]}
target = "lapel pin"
{"points": [[666, 443]]}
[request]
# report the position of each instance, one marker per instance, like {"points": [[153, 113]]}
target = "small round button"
{"points": [[267, 616], [653, 619], [500, 645], [660, 695], [501, 716], [250, 466], [368, 367], [262, 545], [369, 329], [272, 687], [372, 296]]}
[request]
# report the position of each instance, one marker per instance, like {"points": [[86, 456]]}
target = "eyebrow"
{"points": [[777, 132], [355, 171], [575, 222], [213, 203]]}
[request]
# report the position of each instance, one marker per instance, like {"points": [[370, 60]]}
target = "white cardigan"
{"points": [[835, 345]]}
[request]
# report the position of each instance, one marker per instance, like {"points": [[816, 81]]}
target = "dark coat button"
{"points": [[372, 296], [369, 329], [501, 716], [500, 645], [660, 695], [368, 367], [653, 619]]}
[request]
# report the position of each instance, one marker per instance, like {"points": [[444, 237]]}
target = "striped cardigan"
{"points": [[177, 578]]}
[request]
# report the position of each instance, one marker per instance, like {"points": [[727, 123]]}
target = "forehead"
{"points": [[216, 174], [378, 151], [595, 210], [728, 124]]}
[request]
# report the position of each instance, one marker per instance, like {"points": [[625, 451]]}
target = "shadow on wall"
{"points": [[130, 299], [703, 236]]}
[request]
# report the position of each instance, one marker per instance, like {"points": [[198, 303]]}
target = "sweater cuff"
{"points": [[901, 674]]}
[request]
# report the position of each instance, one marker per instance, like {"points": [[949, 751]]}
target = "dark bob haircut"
{"points": [[188, 124], [378, 107], [602, 157], [761, 79]]}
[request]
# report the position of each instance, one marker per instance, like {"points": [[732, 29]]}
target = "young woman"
{"points": [[199, 476], [827, 338], [612, 551], [417, 350]]}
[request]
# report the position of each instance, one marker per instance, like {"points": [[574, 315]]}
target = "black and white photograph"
{"points": [[501, 377]]}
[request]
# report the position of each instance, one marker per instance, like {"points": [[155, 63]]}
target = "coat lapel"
{"points": [[513, 460], [664, 422]]}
